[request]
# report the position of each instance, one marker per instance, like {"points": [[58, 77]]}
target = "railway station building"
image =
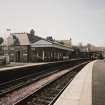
{"points": [[27, 47]]}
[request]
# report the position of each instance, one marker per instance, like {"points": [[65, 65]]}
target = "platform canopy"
{"points": [[44, 43]]}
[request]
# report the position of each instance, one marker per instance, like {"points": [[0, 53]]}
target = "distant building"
{"points": [[91, 51], [67, 43]]}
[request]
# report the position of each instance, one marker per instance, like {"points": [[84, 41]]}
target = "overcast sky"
{"points": [[82, 20]]}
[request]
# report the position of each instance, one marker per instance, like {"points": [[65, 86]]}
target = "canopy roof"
{"points": [[44, 43]]}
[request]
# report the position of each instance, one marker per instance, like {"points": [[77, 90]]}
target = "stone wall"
{"points": [[19, 53]]}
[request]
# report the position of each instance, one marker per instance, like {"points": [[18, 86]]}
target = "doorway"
{"points": [[18, 56]]}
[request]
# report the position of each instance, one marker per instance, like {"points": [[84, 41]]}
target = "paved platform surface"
{"points": [[87, 88]]}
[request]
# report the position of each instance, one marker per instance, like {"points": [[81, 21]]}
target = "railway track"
{"points": [[49, 93], [12, 85], [7, 95], [9, 86]]}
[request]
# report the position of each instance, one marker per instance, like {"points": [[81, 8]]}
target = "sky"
{"points": [[81, 20]]}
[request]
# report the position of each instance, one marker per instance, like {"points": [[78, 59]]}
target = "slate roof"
{"points": [[36, 41], [45, 43], [24, 38], [33, 38], [20, 38]]}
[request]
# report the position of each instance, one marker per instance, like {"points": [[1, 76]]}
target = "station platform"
{"points": [[14, 65], [19, 70], [87, 88]]}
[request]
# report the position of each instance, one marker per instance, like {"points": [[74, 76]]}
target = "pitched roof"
{"points": [[45, 43], [22, 38], [36, 41], [41, 43], [33, 38]]}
